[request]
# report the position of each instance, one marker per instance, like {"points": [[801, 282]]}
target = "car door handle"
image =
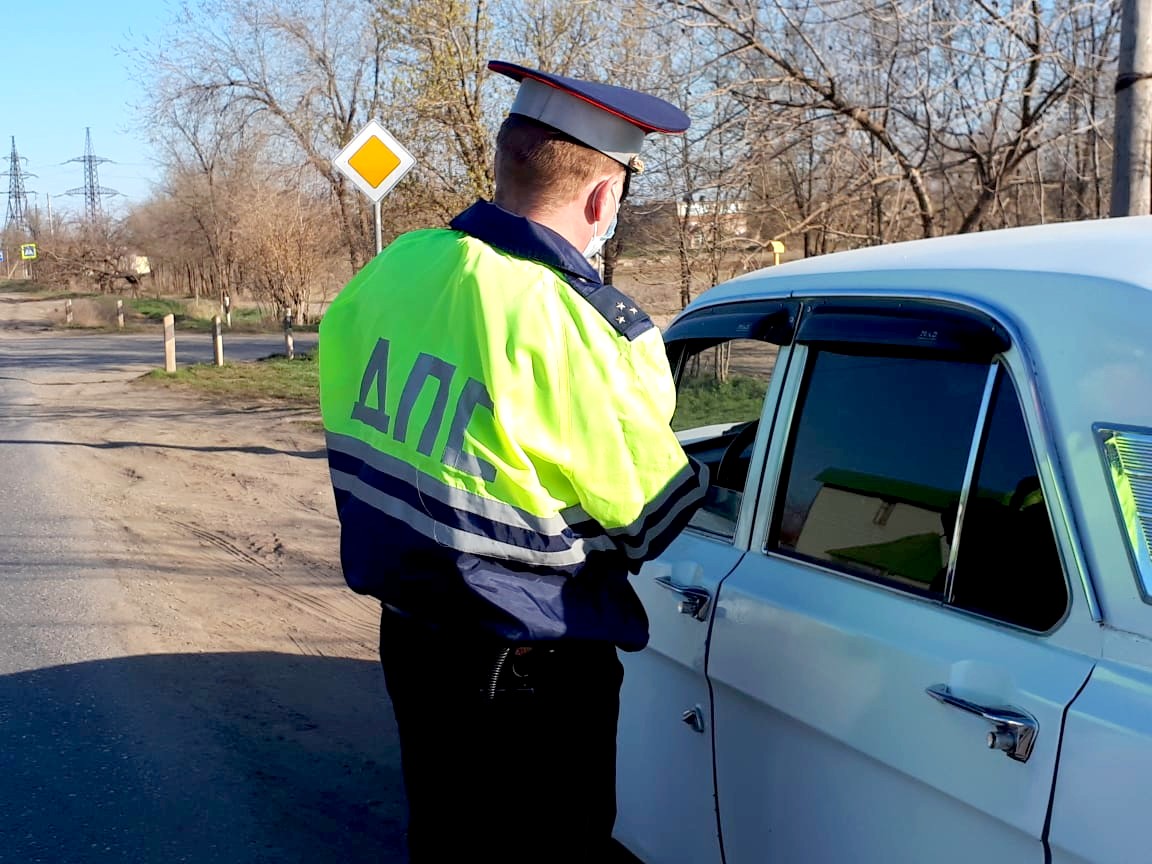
{"points": [[693, 599], [1015, 731]]}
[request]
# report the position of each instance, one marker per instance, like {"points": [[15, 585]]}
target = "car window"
{"points": [[874, 476], [876, 464], [1007, 564], [719, 397]]}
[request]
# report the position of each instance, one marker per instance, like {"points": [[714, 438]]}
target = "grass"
{"points": [[703, 401], [277, 379], [23, 286], [37, 291], [193, 315]]}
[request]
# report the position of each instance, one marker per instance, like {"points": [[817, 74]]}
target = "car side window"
{"points": [[875, 474], [876, 462], [719, 398], [1008, 564]]}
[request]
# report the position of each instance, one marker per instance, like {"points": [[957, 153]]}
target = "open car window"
{"points": [[720, 396]]}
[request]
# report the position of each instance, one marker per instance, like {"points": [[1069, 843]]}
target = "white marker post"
{"points": [[289, 344], [169, 343], [217, 342], [375, 162]]}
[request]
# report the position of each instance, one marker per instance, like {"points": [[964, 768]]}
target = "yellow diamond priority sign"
{"points": [[374, 161]]}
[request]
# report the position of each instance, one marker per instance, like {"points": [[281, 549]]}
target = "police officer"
{"points": [[498, 435]]}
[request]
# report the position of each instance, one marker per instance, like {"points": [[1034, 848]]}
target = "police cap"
{"points": [[611, 119]]}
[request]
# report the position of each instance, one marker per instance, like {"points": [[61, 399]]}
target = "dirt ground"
{"points": [[218, 521]]}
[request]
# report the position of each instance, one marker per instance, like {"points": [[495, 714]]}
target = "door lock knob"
{"points": [[1002, 739], [694, 718]]}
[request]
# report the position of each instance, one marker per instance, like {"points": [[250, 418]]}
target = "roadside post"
{"points": [[375, 162], [289, 347], [68, 311], [217, 342], [119, 314], [169, 343], [227, 304]]}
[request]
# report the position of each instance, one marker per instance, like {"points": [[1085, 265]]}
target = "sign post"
{"points": [[375, 162]]}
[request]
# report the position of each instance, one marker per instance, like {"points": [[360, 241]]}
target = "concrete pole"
{"points": [[289, 343], [169, 343], [1132, 160], [217, 342]]}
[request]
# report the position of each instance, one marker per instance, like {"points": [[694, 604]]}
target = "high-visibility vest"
{"points": [[497, 424]]}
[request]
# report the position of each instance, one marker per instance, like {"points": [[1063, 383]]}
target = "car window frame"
{"points": [[1000, 365], [709, 326]]}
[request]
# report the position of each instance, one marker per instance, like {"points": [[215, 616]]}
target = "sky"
{"points": [[63, 68]]}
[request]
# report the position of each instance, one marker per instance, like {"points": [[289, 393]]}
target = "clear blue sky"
{"points": [[63, 68]]}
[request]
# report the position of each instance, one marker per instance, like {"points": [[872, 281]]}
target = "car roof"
{"points": [[1107, 250]]}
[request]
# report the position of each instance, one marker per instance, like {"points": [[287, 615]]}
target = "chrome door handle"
{"points": [[1015, 731], [693, 600]]}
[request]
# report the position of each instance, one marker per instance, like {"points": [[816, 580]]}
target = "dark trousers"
{"points": [[512, 764]]}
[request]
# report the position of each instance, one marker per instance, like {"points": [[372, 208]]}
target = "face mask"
{"points": [[598, 240]]}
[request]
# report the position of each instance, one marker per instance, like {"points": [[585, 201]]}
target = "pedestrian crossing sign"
{"points": [[28, 251]]}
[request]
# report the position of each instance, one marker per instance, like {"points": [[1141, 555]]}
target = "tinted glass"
{"points": [[1008, 565], [720, 396], [876, 465]]}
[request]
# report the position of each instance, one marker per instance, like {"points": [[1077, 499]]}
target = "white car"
{"points": [[913, 622]]}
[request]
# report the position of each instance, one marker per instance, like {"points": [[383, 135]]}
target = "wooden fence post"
{"points": [[119, 314], [169, 343], [217, 342], [289, 348]]}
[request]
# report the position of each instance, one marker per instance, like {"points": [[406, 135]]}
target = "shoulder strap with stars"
{"points": [[618, 309]]}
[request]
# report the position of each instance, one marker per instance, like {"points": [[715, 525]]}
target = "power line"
{"points": [[18, 210], [91, 190]]}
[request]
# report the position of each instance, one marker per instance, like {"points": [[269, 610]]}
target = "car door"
{"points": [[725, 360], [886, 687]]}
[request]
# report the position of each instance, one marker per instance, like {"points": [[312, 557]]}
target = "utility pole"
{"points": [[1132, 162]]}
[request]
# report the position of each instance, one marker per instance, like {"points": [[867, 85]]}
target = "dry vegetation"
{"points": [[825, 124]]}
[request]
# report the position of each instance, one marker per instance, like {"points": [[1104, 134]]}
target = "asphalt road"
{"points": [[239, 757]]}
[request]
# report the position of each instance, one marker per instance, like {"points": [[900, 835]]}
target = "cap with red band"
{"points": [[611, 119]]}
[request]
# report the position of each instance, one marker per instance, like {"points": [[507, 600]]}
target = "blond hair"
{"points": [[541, 167]]}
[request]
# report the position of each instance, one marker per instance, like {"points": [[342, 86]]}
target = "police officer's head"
{"points": [[568, 149]]}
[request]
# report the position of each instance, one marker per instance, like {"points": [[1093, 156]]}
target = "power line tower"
{"points": [[18, 212], [91, 190]]}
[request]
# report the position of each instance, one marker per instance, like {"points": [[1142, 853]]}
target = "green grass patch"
{"points": [[704, 401], [277, 379], [197, 315]]}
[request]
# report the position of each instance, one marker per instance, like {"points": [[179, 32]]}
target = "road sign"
{"points": [[28, 251], [1, 256], [374, 161]]}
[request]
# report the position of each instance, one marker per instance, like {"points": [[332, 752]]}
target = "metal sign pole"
{"points": [[379, 235]]}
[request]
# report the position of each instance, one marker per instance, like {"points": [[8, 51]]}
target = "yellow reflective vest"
{"points": [[497, 424]]}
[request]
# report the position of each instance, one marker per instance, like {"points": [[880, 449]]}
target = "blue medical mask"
{"points": [[598, 240]]}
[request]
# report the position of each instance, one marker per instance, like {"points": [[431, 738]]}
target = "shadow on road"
{"points": [[238, 758]]}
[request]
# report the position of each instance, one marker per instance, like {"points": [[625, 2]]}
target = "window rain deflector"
{"points": [[881, 325], [762, 320]]}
